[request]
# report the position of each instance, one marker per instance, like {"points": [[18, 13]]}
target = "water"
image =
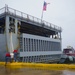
{"points": [[29, 71]]}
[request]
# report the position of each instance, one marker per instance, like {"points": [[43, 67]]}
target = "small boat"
{"points": [[68, 55]]}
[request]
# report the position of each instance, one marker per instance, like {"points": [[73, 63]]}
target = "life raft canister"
{"points": [[7, 55], [15, 51]]}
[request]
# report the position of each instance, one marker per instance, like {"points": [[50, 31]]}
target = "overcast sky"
{"points": [[59, 12]]}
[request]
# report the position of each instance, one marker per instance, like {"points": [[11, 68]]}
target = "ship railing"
{"points": [[28, 17], [2, 10]]}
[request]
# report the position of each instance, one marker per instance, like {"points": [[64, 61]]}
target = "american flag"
{"points": [[45, 6]]}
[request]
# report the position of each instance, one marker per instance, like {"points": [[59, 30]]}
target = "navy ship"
{"points": [[36, 40]]}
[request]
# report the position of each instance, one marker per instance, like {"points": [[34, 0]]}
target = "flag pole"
{"points": [[43, 9], [42, 15]]}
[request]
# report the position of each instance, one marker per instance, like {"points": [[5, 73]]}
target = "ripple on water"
{"points": [[29, 71]]}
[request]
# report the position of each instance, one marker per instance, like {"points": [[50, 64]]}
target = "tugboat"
{"points": [[68, 55]]}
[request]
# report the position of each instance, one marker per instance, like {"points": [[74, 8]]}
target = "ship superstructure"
{"points": [[35, 39]]}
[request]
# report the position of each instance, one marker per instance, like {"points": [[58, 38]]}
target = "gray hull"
{"points": [[2, 47], [35, 40]]}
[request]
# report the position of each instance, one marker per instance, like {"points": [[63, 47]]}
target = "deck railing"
{"points": [[7, 9]]}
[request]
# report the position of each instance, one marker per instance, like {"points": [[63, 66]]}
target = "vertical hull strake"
{"points": [[12, 34]]}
